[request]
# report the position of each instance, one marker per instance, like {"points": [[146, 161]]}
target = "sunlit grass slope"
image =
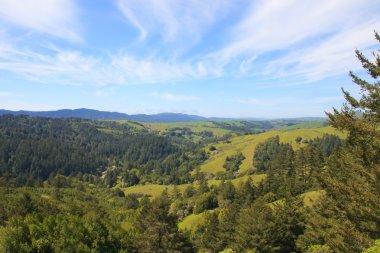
{"points": [[192, 221], [154, 189], [247, 143], [196, 127]]}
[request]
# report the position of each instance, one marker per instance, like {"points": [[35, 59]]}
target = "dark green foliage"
{"points": [[158, 231], [227, 225], [327, 144], [247, 192], [227, 191], [206, 201], [35, 148], [132, 201], [265, 153], [233, 162], [263, 229], [280, 171], [34, 220], [348, 218], [189, 191], [206, 235], [291, 173], [58, 234], [249, 127]]}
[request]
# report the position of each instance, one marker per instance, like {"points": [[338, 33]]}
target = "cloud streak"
{"points": [[172, 20], [308, 40], [74, 68], [53, 17], [298, 41]]}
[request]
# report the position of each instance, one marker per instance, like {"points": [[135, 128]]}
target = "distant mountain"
{"points": [[103, 115]]}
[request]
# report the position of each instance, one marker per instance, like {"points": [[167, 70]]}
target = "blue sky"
{"points": [[268, 58]]}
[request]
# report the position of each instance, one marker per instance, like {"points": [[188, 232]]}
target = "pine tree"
{"points": [[158, 231], [348, 218], [206, 235]]}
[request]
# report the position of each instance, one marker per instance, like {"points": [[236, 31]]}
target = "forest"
{"points": [[64, 185]]}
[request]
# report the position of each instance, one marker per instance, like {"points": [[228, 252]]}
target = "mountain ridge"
{"points": [[92, 114], [166, 117]]}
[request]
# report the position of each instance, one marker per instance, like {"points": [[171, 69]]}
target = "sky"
{"points": [[222, 58]]}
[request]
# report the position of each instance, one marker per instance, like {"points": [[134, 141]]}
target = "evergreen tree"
{"points": [[247, 192], [206, 234], [227, 225], [158, 231], [348, 218]]}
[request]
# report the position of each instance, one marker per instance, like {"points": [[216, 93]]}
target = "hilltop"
{"points": [[166, 117]]}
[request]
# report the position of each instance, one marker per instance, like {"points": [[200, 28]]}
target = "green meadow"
{"points": [[247, 143]]}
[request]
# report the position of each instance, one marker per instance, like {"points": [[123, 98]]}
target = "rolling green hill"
{"points": [[155, 190], [247, 143], [196, 127]]}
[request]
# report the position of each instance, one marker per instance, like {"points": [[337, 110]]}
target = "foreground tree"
{"points": [[158, 230], [348, 217]]}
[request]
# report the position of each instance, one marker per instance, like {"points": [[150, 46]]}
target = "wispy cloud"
{"points": [[53, 17], [74, 68], [172, 97], [303, 41], [152, 70], [173, 20], [280, 35], [333, 56]]}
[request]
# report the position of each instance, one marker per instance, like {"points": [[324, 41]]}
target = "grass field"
{"points": [[309, 198], [247, 143], [154, 189], [237, 181], [196, 127], [192, 221], [305, 125]]}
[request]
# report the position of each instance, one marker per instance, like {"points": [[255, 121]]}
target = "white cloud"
{"points": [[131, 17], [74, 68], [246, 64], [331, 57], [171, 97], [54, 17], [173, 20], [302, 33], [304, 40], [153, 70]]}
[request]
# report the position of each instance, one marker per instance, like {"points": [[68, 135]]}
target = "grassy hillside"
{"points": [[247, 143], [192, 221], [198, 131], [196, 127], [154, 189]]}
